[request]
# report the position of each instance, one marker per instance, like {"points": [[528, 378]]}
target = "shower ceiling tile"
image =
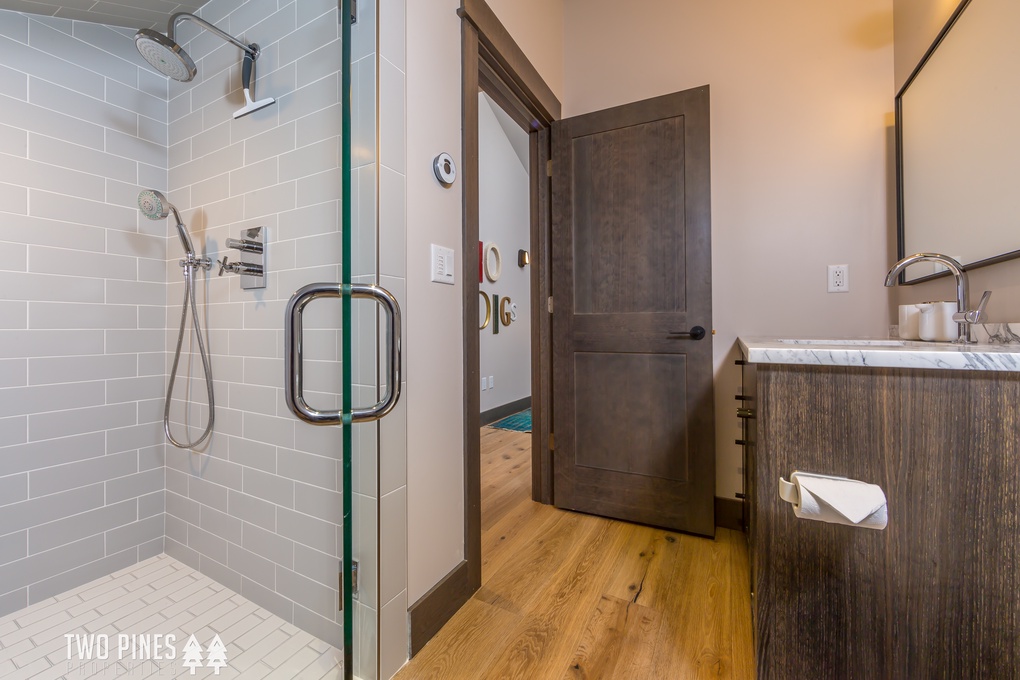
{"points": [[137, 14]]}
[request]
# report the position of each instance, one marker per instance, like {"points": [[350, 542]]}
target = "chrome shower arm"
{"points": [[177, 19]]}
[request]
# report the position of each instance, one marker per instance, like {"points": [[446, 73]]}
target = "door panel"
{"points": [[631, 262], [630, 271], [649, 394]]}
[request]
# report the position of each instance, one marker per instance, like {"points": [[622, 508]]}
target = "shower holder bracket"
{"points": [[252, 263]]}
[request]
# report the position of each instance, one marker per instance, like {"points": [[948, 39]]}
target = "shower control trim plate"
{"points": [[252, 263]]}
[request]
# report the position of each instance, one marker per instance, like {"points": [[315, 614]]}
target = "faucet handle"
{"points": [[974, 316], [978, 315], [225, 266]]}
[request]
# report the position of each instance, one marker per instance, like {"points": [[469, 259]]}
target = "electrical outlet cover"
{"points": [[839, 278]]}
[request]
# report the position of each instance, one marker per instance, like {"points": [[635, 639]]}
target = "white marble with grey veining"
{"points": [[891, 353]]}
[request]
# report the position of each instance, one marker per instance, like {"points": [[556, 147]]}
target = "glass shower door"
{"points": [[366, 394]]}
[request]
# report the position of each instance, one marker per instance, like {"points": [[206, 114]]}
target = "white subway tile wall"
{"points": [[90, 295], [258, 508], [82, 340]]}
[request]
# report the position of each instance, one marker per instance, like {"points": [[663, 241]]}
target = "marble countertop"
{"points": [[883, 353]]}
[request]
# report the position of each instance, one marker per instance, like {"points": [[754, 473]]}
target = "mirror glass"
{"points": [[958, 121]]}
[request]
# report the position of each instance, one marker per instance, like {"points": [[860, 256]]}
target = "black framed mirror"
{"points": [[958, 142]]}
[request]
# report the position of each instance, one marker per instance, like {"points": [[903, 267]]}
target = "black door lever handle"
{"points": [[696, 333]]}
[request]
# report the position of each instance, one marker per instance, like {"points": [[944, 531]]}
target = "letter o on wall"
{"points": [[493, 271]]}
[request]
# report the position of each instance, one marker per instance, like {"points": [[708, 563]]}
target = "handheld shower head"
{"points": [[154, 205]]}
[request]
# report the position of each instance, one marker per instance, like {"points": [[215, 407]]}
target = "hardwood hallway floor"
{"points": [[566, 595]]}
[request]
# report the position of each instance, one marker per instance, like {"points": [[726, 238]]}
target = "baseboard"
{"points": [[437, 606], [729, 513], [500, 412]]}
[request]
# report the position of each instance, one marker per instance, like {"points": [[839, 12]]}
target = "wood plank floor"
{"points": [[567, 595]]}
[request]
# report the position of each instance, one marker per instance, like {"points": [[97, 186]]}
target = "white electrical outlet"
{"points": [[491, 383], [484, 383], [839, 278]]}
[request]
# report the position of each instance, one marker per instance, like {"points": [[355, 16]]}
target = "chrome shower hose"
{"points": [[189, 295]]}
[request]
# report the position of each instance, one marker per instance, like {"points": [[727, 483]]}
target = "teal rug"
{"points": [[518, 422]]}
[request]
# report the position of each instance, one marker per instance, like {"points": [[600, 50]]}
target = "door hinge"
{"points": [[552, 441], [354, 582], [549, 304], [548, 168]]}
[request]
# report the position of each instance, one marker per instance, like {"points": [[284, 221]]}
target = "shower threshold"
{"points": [[158, 618]]}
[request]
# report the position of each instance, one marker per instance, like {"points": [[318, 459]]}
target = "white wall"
{"points": [[917, 23], [801, 92], [537, 27], [435, 355], [504, 207], [434, 350]]}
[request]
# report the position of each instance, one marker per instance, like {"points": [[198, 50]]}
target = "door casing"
{"points": [[493, 62]]}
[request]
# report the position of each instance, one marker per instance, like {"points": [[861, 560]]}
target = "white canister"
{"points": [[936, 322], [910, 315]]}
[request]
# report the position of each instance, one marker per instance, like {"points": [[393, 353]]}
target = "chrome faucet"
{"points": [[965, 317]]}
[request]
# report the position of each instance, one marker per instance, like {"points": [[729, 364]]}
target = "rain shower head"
{"points": [[154, 205], [169, 58], [165, 55]]}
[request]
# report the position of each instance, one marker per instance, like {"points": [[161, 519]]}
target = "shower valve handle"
{"points": [[245, 245], [247, 268]]}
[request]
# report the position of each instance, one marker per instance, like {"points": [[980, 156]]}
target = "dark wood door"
{"points": [[631, 262]]}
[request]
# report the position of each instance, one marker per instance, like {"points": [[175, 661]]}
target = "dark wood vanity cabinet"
{"points": [[934, 595]]}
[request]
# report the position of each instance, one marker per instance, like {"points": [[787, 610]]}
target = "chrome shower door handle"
{"points": [[294, 352], [393, 335]]}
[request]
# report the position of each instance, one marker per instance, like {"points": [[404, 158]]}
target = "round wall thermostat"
{"points": [[446, 171]]}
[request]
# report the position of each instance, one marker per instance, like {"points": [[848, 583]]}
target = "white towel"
{"points": [[836, 500]]}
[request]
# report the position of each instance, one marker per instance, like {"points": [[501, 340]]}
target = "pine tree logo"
{"points": [[192, 657], [216, 655]]}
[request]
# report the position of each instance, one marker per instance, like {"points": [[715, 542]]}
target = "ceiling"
{"points": [[131, 13]]}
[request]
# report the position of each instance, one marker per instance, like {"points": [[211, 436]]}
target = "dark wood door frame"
{"points": [[492, 62]]}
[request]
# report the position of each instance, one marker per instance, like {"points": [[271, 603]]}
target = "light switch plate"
{"points": [[442, 265]]}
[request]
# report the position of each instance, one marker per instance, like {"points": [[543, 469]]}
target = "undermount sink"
{"points": [[852, 342]]}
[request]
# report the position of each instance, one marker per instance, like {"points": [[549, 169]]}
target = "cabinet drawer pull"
{"points": [[743, 442], [745, 413], [743, 397], [741, 496]]}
